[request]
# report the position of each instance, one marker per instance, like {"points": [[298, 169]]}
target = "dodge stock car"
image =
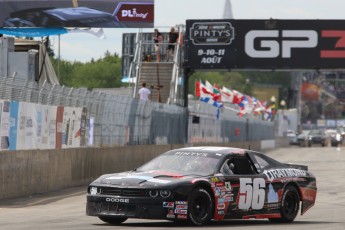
{"points": [[61, 17], [203, 184]]}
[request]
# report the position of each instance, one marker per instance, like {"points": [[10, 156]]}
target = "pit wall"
{"points": [[29, 172]]}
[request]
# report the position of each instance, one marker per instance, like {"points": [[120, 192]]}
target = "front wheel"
{"points": [[200, 207], [289, 206], [112, 220]]}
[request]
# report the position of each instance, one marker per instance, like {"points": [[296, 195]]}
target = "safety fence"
{"points": [[120, 120], [207, 124]]}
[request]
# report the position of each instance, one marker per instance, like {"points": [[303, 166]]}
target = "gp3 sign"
{"points": [[301, 39], [269, 48], [268, 44]]}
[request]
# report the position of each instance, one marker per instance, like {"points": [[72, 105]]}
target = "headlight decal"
{"points": [[94, 190], [165, 193], [160, 193], [153, 193]]}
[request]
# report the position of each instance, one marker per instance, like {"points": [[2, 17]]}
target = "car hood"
{"points": [[144, 179]]}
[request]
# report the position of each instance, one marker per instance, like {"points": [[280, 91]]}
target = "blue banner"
{"points": [[32, 32], [13, 124]]}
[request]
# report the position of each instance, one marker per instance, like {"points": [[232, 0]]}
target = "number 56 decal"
{"points": [[252, 193]]}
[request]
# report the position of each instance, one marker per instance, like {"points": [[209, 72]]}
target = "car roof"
{"points": [[213, 149], [76, 13]]}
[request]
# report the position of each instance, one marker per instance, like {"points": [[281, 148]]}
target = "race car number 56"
{"points": [[252, 193]]}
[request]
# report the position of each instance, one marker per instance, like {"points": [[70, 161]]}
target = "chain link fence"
{"points": [[122, 120], [208, 124]]}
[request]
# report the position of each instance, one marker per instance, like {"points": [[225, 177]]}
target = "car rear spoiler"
{"points": [[297, 166]]}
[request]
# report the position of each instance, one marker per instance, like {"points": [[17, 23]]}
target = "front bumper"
{"points": [[128, 207]]}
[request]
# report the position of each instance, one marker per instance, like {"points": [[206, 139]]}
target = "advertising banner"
{"points": [[265, 44], [14, 106], [48, 123], [77, 13], [83, 127], [27, 126], [90, 131], [71, 127], [5, 124], [59, 127]]}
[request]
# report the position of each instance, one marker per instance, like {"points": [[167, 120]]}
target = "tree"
{"points": [[102, 73]]}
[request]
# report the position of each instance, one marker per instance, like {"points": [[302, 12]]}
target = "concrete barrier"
{"points": [[24, 173]]}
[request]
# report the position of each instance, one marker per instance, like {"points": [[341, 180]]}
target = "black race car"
{"points": [[61, 17], [201, 184]]}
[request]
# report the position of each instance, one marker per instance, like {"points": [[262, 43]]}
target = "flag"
{"points": [[244, 106], [210, 101], [231, 96], [247, 105], [268, 114], [259, 107], [227, 95], [216, 88], [238, 97], [209, 97], [204, 91], [100, 33], [209, 86], [217, 91], [197, 88]]}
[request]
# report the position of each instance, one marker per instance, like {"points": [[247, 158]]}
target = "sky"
{"points": [[83, 46]]}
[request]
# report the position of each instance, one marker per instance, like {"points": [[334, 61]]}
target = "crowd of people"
{"points": [[158, 40]]}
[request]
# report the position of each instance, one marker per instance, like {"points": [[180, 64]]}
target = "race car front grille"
{"points": [[111, 191], [134, 192], [123, 192], [117, 209]]}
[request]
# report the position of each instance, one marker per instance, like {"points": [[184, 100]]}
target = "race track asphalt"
{"points": [[65, 209]]}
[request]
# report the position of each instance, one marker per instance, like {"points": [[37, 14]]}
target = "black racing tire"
{"points": [[112, 220], [200, 207], [289, 205]]}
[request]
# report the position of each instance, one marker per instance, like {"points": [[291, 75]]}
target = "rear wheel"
{"points": [[112, 220], [289, 206], [200, 207]]}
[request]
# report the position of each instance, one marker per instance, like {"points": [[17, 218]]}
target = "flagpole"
{"points": [[59, 58]]}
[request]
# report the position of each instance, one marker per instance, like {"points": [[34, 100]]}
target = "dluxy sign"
{"points": [[134, 12], [77, 13], [265, 44]]}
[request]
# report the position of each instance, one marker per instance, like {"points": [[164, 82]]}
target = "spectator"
{"points": [[158, 38], [173, 36], [144, 93]]}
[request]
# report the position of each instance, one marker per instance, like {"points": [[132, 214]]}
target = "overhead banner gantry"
{"points": [[265, 44]]}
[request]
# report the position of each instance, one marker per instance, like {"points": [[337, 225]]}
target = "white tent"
{"points": [[46, 71]]}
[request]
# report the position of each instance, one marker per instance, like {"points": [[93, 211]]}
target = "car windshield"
{"points": [[315, 132], [304, 133], [199, 165]]}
